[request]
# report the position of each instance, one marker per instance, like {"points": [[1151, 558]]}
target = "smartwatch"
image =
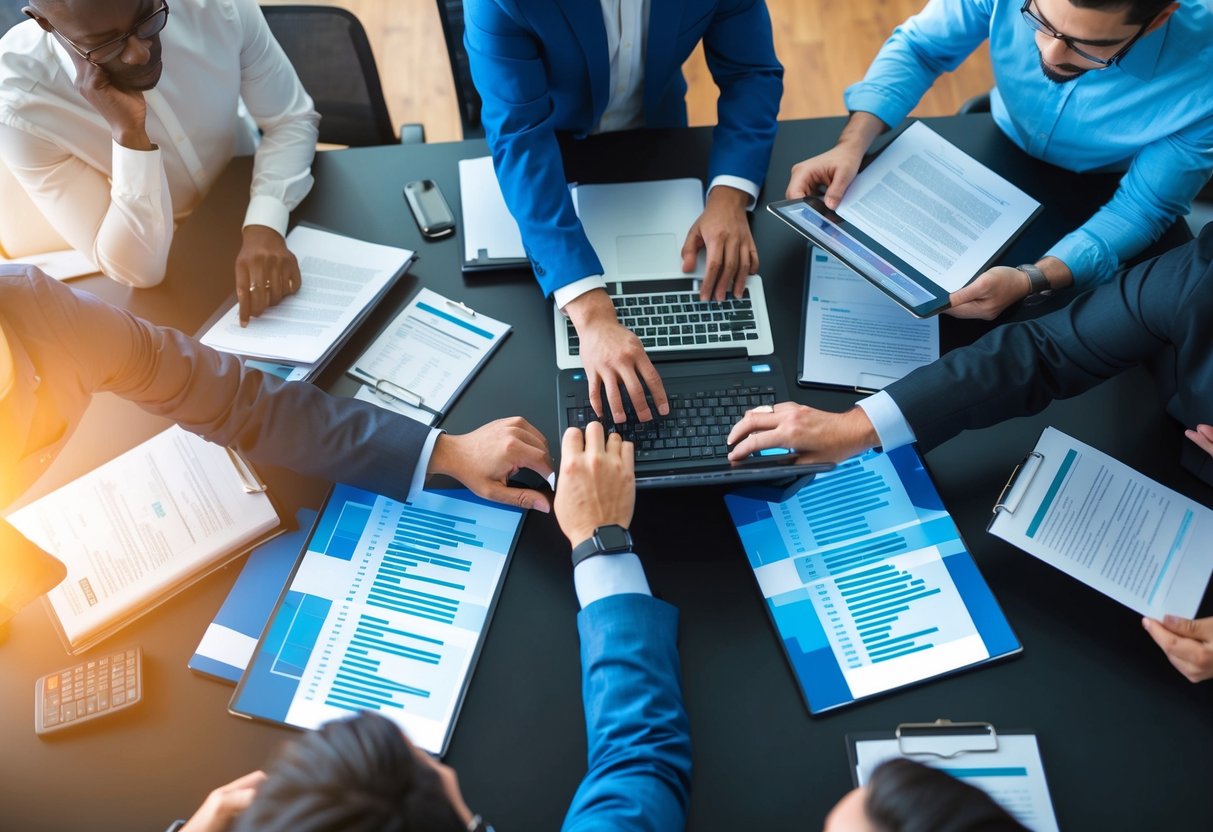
{"points": [[1039, 289], [606, 540]]}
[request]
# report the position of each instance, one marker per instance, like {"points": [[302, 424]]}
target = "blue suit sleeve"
{"points": [[740, 54], [518, 117], [1161, 305], [639, 775]]}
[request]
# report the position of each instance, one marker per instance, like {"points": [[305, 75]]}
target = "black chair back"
{"points": [[450, 12], [329, 49]]}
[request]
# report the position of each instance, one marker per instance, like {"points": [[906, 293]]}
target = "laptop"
{"points": [[708, 394], [637, 229]]}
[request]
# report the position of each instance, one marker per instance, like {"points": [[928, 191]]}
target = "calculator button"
{"points": [[103, 701], [90, 705], [52, 683], [119, 698], [69, 711]]}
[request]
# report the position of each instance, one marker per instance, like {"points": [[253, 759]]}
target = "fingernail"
{"points": [[1145, 623], [664, 410], [543, 506]]}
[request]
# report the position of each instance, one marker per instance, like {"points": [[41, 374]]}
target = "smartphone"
{"points": [[429, 208]]}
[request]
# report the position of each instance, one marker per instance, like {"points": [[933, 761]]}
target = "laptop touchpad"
{"points": [[647, 253]]}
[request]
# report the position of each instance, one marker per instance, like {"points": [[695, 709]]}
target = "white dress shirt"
{"points": [[891, 426], [605, 575], [118, 205], [627, 34]]}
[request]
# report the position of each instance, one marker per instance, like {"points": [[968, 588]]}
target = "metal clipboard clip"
{"points": [[1017, 483], [945, 739], [249, 480], [390, 391]]}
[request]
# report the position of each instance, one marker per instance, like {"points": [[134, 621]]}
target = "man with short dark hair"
{"points": [[1087, 85], [115, 145]]}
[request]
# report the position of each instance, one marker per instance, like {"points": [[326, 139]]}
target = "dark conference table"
{"points": [[1123, 736]]}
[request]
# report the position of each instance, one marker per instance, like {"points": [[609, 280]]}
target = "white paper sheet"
{"points": [[855, 336], [1119, 532], [1013, 775], [935, 207], [429, 352], [341, 278], [61, 265], [489, 230], [368, 394], [133, 529]]}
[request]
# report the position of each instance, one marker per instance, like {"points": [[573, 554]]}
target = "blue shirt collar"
{"points": [[1141, 61]]}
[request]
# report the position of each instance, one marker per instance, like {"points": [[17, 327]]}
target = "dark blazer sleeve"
{"points": [[1157, 312], [209, 393], [639, 775]]}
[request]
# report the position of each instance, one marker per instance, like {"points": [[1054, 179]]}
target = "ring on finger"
{"points": [[267, 284], [252, 287]]}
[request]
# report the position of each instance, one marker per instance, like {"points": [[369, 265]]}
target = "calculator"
{"points": [[87, 691]]}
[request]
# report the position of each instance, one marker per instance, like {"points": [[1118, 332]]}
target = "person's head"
{"points": [[356, 775], [122, 37], [905, 796], [1078, 36]]}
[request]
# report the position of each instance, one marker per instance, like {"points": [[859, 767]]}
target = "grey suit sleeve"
{"points": [[207, 392], [1017, 369]]}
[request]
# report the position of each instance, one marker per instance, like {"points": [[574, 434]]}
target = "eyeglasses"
{"points": [[1038, 24], [144, 29]]}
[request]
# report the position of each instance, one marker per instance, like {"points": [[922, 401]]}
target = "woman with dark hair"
{"points": [[905, 796]]}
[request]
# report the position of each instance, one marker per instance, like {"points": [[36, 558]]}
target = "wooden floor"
{"points": [[824, 45]]}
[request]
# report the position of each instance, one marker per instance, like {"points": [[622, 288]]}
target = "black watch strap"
{"points": [[1039, 287], [606, 540]]}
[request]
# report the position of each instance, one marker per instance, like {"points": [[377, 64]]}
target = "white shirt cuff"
{"points": [[567, 294], [267, 211], [891, 427], [740, 184], [136, 173], [604, 575], [423, 463]]}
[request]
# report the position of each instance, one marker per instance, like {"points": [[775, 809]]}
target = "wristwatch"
{"points": [[1039, 289], [606, 540]]}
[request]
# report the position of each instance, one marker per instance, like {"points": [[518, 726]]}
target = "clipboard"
{"points": [[865, 382], [392, 367], [1016, 486], [1006, 764], [487, 220]]}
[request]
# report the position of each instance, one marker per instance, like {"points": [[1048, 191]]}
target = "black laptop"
{"points": [[708, 394]]}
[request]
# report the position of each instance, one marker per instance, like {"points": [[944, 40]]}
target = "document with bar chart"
{"points": [[385, 611], [867, 580]]}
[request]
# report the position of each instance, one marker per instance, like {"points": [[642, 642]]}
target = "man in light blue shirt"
{"points": [[1087, 85]]}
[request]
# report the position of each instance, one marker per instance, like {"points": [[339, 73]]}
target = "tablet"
{"points": [[867, 580], [886, 271], [385, 610]]}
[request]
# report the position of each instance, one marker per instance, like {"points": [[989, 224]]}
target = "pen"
{"points": [[467, 310]]}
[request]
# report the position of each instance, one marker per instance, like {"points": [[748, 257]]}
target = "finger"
{"points": [[524, 498], [729, 268], [1176, 647], [640, 404], [690, 249], [652, 381], [294, 277], [536, 459], [838, 187], [614, 398], [572, 445], [1206, 431], [243, 296], [249, 781], [758, 441], [530, 434], [627, 452], [613, 443], [752, 421], [797, 186], [595, 382], [1200, 440], [595, 438]]}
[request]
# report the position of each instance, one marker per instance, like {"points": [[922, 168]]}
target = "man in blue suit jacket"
{"points": [[364, 774], [587, 66]]}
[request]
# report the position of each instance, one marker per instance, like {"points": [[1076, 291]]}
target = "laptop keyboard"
{"points": [[697, 427], [682, 320]]}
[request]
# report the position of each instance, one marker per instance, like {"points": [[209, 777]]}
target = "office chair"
{"points": [[450, 12], [329, 49]]}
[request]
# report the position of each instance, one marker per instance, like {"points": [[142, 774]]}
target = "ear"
{"points": [[1160, 18], [33, 14]]}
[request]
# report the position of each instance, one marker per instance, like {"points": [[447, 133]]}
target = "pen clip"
{"points": [[396, 392], [1005, 501], [462, 307], [249, 480]]}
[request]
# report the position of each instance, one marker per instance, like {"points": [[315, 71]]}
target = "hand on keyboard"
{"points": [[724, 231], [818, 435], [614, 359]]}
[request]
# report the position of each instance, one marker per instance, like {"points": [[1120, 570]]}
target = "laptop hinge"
{"points": [[696, 355]]}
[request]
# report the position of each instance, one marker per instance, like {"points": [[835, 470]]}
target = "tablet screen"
{"points": [[385, 611], [867, 580]]}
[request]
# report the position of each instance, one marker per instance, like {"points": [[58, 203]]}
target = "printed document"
{"points": [[429, 353], [141, 527], [342, 279], [934, 206], [1013, 774], [1099, 521], [854, 335]]}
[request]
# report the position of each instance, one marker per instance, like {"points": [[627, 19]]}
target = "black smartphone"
{"points": [[429, 208]]}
